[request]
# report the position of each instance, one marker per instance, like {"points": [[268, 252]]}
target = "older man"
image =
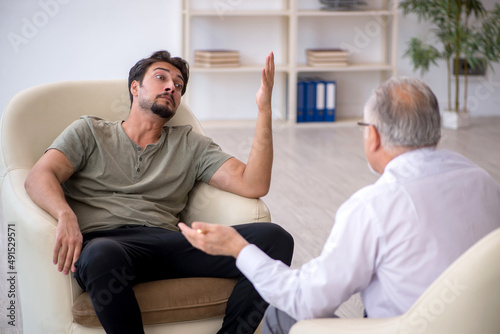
{"points": [[390, 240]]}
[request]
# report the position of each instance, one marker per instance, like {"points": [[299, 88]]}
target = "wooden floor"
{"points": [[316, 168]]}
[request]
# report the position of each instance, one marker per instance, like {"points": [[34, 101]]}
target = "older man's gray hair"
{"points": [[405, 112]]}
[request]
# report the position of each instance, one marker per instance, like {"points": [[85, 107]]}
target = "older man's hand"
{"points": [[214, 239]]}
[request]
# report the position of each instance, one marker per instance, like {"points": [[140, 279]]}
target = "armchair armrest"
{"points": [[46, 295], [212, 205], [347, 326]]}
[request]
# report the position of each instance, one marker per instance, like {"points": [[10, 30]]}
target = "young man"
{"points": [[116, 189], [390, 240]]}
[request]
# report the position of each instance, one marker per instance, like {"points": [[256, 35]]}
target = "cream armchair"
{"points": [[465, 299], [54, 303]]}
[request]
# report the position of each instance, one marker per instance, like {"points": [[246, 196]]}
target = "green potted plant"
{"points": [[459, 29]]}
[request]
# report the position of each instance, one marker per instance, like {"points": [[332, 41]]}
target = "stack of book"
{"points": [[327, 57], [316, 100], [216, 58], [341, 4]]}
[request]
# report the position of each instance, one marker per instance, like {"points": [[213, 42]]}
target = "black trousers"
{"points": [[111, 262]]}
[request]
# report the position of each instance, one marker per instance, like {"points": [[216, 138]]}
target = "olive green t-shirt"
{"points": [[117, 183]]}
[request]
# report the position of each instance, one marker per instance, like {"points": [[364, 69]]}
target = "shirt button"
{"points": [[140, 159], [139, 149], [138, 170]]}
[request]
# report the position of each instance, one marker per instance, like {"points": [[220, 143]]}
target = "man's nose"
{"points": [[169, 86]]}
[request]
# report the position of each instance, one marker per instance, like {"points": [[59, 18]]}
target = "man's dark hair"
{"points": [[138, 71]]}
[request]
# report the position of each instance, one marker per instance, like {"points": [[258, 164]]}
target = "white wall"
{"points": [[53, 40], [45, 41]]}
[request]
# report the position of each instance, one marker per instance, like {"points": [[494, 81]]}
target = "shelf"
{"points": [[299, 68], [235, 69], [289, 28], [348, 68], [249, 13], [344, 13]]}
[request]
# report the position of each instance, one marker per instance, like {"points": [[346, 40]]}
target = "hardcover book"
{"points": [[216, 58]]}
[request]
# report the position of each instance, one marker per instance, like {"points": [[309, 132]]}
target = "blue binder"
{"points": [[319, 112], [331, 101], [301, 101], [310, 101]]}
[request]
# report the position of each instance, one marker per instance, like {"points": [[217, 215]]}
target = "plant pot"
{"points": [[455, 120]]}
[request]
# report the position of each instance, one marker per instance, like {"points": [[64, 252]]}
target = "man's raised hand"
{"points": [[265, 91]]}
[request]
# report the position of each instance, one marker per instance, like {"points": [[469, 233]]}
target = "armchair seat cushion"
{"points": [[170, 300]]}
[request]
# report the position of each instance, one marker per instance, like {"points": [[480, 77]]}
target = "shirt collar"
{"points": [[405, 165]]}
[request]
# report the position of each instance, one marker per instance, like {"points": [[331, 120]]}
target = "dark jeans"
{"points": [[113, 261], [277, 322]]}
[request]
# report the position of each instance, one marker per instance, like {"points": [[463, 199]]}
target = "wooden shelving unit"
{"points": [[295, 26]]}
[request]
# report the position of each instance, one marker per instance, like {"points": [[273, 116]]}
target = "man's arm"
{"points": [[346, 264], [254, 178], [43, 185]]}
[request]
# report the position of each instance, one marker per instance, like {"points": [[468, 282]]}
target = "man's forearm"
{"points": [[260, 161], [43, 184], [46, 191], [253, 179]]}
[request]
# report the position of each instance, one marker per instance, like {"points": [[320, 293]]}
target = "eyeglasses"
{"points": [[361, 125]]}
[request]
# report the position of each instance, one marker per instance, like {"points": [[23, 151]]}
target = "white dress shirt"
{"points": [[390, 240]]}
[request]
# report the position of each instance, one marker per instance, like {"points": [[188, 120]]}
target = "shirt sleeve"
{"points": [[209, 156], [76, 142], [345, 266]]}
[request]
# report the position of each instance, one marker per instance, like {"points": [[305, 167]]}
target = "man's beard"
{"points": [[162, 110]]}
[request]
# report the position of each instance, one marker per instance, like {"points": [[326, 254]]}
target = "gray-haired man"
{"points": [[390, 240]]}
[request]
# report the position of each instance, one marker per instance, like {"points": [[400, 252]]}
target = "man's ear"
{"points": [[373, 138], [134, 86]]}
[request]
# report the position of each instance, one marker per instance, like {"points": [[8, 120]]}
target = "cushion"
{"points": [[169, 300]]}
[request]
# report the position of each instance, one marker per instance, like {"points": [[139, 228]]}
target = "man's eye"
{"points": [[178, 86], [159, 77]]}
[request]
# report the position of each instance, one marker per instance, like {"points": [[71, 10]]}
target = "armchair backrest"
{"points": [[52, 107], [465, 298]]}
